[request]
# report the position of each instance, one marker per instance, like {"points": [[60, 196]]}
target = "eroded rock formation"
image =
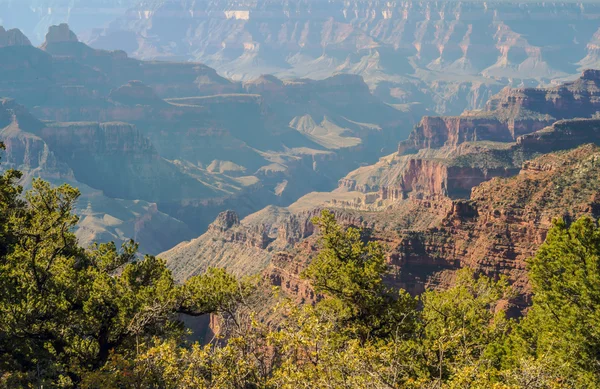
{"points": [[189, 140], [449, 55], [448, 202], [78, 153]]}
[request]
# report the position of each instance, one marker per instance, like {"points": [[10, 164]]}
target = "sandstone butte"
{"points": [[477, 190]]}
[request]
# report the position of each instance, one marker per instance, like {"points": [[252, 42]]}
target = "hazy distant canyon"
{"points": [[449, 56], [160, 148]]}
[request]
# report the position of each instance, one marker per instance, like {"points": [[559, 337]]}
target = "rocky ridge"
{"points": [[13, 37]]}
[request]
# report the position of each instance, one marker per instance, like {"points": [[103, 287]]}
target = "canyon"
{"points": [[447, 56], [299, 193], [450, 56], [212, 132], [478, 190], [179, 137]]}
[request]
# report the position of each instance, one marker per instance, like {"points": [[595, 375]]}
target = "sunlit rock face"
{"points": [[457, 53]]}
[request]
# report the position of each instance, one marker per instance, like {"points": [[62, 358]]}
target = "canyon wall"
{"points": [[450, 55], [447, 199], [181, 137], [78, 153]]}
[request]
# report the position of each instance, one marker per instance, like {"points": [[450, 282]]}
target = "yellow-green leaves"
{"points": [[348, 272], [65, 311]]}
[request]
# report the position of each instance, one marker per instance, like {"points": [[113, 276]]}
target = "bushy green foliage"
{"points": [[463, 326], [349, 272], [65, 311], [562, 328]]}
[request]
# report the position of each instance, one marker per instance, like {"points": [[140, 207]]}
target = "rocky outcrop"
{"points": [[241, 248], [118, 159], [284, 273], [579, 98], [435, 132], [13, 37], [23, 147], [512, 217], [423, 177], [494, 232], [435, 178], [225, 226], [246, 246], [562, 135], [510, 114]]}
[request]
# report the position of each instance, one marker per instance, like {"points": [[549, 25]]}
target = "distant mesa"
{"points": [[60, 33], [345, 79], [13, 37]]}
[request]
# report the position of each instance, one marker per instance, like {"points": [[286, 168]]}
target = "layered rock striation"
{"points": [[179, 136], [49, 151], [450, 202], [510, 114], [450, 55]]}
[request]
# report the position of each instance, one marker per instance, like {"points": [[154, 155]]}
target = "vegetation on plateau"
{"points": [[105, 317]]}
